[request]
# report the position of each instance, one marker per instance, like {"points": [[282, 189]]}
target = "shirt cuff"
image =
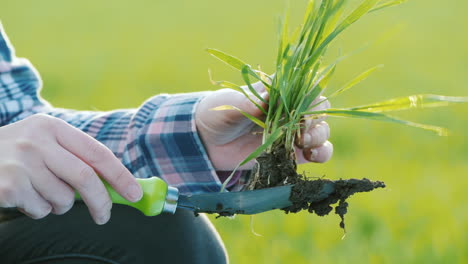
{"points": [[170, 144]]}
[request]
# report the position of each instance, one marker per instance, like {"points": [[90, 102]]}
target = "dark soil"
{"points": [[279, 168], [303, 195]]}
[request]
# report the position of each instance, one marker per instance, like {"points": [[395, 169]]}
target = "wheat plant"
{"points": [[301, 76]]}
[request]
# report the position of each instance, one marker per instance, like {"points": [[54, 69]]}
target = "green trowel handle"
{"points": [[154, 196]]}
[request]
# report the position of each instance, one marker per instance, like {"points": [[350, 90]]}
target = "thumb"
{"points": [[254, 105], [224, 126], [250, 102], [245, 101]]}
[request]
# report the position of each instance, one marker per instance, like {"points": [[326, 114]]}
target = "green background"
{"points": [[102, 55]]}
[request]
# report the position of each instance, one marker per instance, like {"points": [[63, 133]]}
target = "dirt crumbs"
{"points": [[278, 168], [310, 195]]}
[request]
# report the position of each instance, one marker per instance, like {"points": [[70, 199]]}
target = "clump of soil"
{"points": [[279, 168], [304, 195]]}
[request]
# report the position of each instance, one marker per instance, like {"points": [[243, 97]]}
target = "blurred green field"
{"points": [[107, 54]]}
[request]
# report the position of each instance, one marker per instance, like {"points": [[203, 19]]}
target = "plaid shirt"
{"points": [[157, 139]]}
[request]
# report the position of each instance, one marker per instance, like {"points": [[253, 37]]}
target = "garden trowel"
{"points": [[159, 198]]}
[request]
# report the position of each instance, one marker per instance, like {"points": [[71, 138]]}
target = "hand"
{"points": [[44, 159], [229, 136]]}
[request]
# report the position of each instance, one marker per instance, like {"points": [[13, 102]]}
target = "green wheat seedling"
{"points": [[301, 77]]}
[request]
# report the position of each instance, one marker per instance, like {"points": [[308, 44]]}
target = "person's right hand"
{"points": [[44, 159]]}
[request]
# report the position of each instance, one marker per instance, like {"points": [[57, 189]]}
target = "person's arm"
{"points": [[19, 84], [163, 137], [43, 160], [157, 139]]}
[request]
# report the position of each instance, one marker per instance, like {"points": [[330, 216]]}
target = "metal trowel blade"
{"points": [[245, 202]]}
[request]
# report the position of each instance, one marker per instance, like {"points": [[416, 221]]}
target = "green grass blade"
{"points": [[284, 34], [360, 11], [226, 58], [322, 85], [386, 4], [249, 116], [376, 116], [308, 12], [223, 187], [226, 84], [317, 88], [322, 22], [335, 16], [361, 77], [271, 139], [245, 75], [327, 76], [408, 102], [263, 77]]}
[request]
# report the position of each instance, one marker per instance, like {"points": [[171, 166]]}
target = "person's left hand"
{"points": [[230, 137]]}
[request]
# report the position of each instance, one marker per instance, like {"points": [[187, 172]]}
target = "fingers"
{"points": [[33, 204], [222, 127], [83, 178], [314, 136], [319, 154], [258, 86], [59, 194], [239, 100], [99, 157], [324, 104], [17, 191], [39, 174], [313, 144]]}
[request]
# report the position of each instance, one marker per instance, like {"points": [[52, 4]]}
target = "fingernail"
{"points": [[134, 193]]}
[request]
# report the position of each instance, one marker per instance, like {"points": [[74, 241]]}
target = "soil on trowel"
{"points": [[278, 168]]}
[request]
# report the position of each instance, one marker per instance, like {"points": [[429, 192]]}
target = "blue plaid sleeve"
{"points": [[157, 139], [19, 84]]}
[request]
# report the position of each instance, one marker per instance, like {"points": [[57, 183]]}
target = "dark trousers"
{"points": [[129, 237]]}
